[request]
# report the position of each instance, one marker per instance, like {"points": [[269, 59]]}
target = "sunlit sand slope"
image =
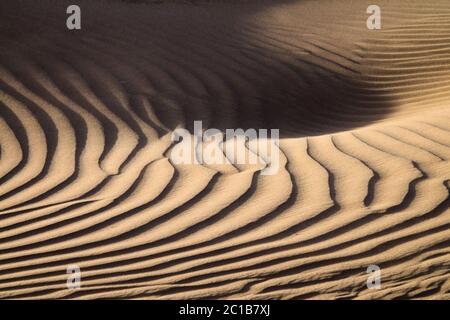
{"points": [[85, 132]]}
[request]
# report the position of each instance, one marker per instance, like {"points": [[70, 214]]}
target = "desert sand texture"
{"points": [[86, 118]]}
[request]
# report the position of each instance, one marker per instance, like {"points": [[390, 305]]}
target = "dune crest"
{"points": [[86, 118]]}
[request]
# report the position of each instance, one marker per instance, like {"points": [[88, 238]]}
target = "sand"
{"points": [[86, 118]]}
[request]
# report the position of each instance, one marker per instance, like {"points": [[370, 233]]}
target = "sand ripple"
{"points": [[85, 177]]}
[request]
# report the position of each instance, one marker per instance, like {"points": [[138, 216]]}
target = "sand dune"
{"points": [[86, 179]]}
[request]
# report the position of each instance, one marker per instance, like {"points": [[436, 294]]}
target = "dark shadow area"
{"points": [[214, 61]]}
